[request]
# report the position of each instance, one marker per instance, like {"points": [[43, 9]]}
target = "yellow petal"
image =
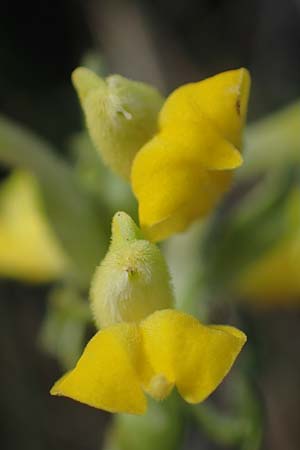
{"points": [[168, 349], [182, 172], [105, 376], [177, 196], [222, 98], [197, 143], [193, 356], [29, 249], [273, 279]]}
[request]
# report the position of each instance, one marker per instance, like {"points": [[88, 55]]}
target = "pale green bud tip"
{"points": [[133, 280], [124, 229], [85, 81]]}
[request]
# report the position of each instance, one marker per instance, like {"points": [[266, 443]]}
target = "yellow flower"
{"points": [[183, 171], [145, 347], [274, 278], [169, 348], [28, 247]]}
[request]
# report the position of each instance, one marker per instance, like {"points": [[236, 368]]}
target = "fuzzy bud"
{"points": [[121, 115], [133, 280]]}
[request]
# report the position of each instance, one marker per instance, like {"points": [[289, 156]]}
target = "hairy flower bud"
{"points": [[133, 280], [121, 115]]}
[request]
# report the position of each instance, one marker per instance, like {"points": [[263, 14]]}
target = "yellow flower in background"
{"points": [[28, 248], [274, 279], [121, 115], [144, 347], [184, 170]]}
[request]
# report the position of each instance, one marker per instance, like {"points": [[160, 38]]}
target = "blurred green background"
{"points": [[166, 43]]}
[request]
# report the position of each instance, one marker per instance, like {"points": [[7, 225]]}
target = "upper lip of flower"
{"points": [[200, 128]]}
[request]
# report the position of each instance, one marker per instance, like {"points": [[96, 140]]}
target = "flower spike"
{"points": [[144, 347]]}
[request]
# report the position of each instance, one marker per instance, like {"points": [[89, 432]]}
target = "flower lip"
{"points": [[123, 362]]}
